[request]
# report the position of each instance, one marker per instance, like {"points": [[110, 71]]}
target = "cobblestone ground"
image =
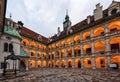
{"points": [[66, 75]]}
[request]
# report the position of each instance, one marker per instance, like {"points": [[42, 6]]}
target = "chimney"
{"points": [[88, 19], [58, 31], [98, 12]]}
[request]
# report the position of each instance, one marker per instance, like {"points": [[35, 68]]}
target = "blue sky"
{"points": [[44, 16]]}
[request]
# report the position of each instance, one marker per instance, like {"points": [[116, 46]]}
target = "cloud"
{"points": [[44, 16]]}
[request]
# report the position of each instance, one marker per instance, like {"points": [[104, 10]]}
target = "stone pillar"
{"points": [[65, 53], [82, 63], [36, 65], [92, 47], [93, 63], [66, 64], [91, 32], [107, 45], [108, 61], [27, 65], [73, 52], [81, 47], [60, 64], [73, 65], [72, 40], [59, 54], [106, 28]]}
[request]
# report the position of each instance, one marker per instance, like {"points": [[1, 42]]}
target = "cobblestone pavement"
{"points": [[66, 75]]}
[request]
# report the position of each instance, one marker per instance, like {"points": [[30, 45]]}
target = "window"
{"points": [[114, 47], [102, 61], [88, 50], [10, 47], [89, 62], [114, 11], [2, 65], [5, 47], [32, 54]]}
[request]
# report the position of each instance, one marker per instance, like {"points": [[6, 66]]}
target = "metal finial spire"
{"points": [[10, 15], [66, 11]]}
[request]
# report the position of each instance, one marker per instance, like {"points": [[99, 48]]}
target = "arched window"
{"points": [[10, 47], [5, 47], [114, 11]]}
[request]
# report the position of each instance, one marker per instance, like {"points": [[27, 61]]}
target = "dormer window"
{"points": [[39, 38], [114, 11]]}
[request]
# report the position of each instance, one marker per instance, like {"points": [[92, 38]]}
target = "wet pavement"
{"points": [[65, 75]]}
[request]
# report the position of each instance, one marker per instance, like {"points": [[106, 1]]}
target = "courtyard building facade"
{"points": [[93, 43]]}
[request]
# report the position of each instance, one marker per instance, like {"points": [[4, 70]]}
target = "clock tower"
{"points": [[66, 23]]}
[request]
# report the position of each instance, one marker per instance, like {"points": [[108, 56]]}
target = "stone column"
{"points": [[91, 32], [73, 52], [59, 54], [36, 65], [106, 29], [107, 45], [27, 65], [93, 63], [72, 40], [66, 64], [92, 47], [108, 61], [65, 53], [73, 65], [82, 63], [81, 48]]}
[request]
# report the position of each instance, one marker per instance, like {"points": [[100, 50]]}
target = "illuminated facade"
{"points": [[92, 43]]}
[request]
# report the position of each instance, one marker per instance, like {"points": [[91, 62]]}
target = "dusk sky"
{"points": [[45, 16]]}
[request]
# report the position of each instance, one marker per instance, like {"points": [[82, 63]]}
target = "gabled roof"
{"points": [[33, 35], [114, 3], [11, 31]]}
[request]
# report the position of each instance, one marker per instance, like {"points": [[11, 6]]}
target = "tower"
{"points": [[67, 22]]}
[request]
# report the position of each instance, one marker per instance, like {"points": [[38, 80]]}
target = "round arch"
{"points": [[99, 31], [87, 48], [69, 41], [88, 62], [33, 44], [115, 44], [26, 42], [100, 46], [101, 62], [116, 60], [63, 43], [39, 63], [69, 52], [115, 25], [77, 63], [77, 38], [49, 64], [70, 63], [57, 63], [63, 63], [44, 63], [77, 51], [86, 35], [32, 64], [63, 53]]}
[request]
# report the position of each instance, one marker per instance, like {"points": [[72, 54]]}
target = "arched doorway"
{"points": [[77, 63], [116, 60], [69, 63], [88, 63], [22, 66], [101, 62], [63, 63], [115, 44]]}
